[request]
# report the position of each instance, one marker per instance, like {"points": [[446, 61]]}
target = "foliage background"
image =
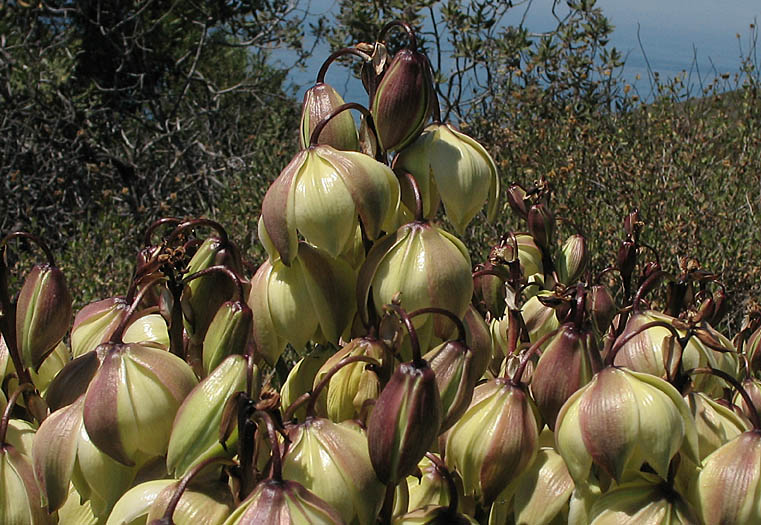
{"points": [[116, 113]]}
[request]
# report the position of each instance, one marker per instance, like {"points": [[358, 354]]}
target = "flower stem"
{"points": [[518, 374], [195, 223], [406, 175], [183, 484], [337, 54], [311, 397], [314, 138], [435, 310], [239, 296], [277, 463], [647, 286], [754, 416], [417, 358], [412, 45], [174, 221], [621, 341], [9, 408], [36, 240]]}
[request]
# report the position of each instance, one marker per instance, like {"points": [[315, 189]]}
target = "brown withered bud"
{"points": [[633, 224], [705, 311], [601, 308], [519, 203], [721, 307], [541, 224], [626, 258]]}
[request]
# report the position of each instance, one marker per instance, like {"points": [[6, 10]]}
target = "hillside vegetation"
{"points": [[186, 118]]}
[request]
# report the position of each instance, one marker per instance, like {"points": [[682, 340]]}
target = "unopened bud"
{"points": [[43, 313], [404, 422], [402, 102], [516, 197], [573, 259], [319, 101], [541, 225]]}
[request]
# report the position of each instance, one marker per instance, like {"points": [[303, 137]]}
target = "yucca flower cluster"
{"points": [[525, 389]]}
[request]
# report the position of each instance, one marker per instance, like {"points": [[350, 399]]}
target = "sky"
{"points": [[675, 35]]}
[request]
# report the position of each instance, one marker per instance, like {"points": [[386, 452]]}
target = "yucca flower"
{"points": [[620, 420], [322, 194], [452, 166], [495, 440]]}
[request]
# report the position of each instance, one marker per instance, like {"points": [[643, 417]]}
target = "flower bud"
{"points": [[543, 490], [229, 333], [95, 323], [529, 255], [620, 420], [64, 454], [434, 515], [753, 388], [195, 431], [573, 259], [645, 499], [601, 308], [310, 299], [355, 384], [43, 313], [479, 339], [207, 503], [519, 203], [275, 502], [463, 173], [567, 363], [331, 460], [404, 422], [133, 398], [715, 423], [489, 291], [426, 266], [147, 328], [753, 351], [656, 352], [456, 377], [50, 367], [541, 225], [20, 434], [494, 441], [322, 194], [300, 379], [76, 511], [626, 258], [728, 488], [340, 132], [19, 494], [147, 501], [540, 319], [203, 296], [402, 102]]}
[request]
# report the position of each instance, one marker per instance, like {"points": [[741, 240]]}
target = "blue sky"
{"points": [[672, 32]]}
